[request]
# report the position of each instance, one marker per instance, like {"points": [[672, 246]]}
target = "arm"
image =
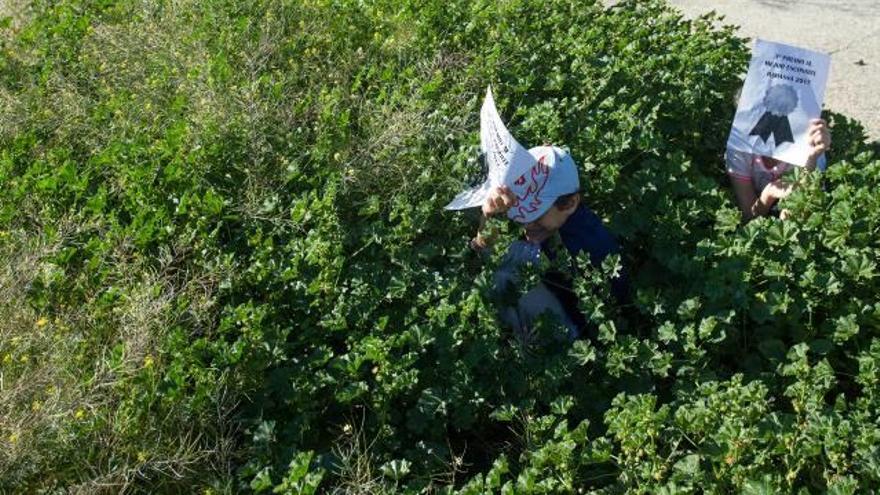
{"points": [[820, 141], [739, 169], [482, 239], [753, 205], [498, 202], [745, 198]]}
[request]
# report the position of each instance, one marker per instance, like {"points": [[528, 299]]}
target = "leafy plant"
{"points": [[227, 268]]}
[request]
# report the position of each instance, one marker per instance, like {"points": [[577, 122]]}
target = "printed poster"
{"points": [[784, 90]]}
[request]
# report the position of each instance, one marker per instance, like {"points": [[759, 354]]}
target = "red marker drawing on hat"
{"points": [[527, 189]]}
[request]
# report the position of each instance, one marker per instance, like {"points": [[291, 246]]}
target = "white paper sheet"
{"points": [[506, 158], [783, 91]]}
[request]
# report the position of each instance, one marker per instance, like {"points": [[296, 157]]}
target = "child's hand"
{"points": [[776, 190], [819, 139], [499, 201]]}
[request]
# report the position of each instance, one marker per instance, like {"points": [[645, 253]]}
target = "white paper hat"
{"points": [[554, 175], [537, 176]]}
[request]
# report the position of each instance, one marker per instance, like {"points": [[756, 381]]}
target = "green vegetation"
{"points": [[226, 267]]}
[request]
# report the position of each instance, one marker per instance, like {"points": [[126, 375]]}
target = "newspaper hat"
{"points": [[554, 175], [536, 177]]}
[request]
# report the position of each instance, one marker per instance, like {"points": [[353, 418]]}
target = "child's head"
{"points": [[548, 223], [546, 195]]}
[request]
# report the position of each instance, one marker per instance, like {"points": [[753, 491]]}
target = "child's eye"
{"points": [[521, 180]]}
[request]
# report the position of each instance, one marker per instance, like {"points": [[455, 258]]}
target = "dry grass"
{"points": [[384, 162], [37, 390], [358, 470], [19, 11], [61, 392], [77, 385]]}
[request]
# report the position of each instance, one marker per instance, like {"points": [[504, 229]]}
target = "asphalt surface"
{"points": [[849, 30]]}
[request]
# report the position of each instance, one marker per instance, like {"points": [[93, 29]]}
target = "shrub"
{"points": [[230, 270]]}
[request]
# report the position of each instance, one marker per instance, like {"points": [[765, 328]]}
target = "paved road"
{"points": [[847, 29]]}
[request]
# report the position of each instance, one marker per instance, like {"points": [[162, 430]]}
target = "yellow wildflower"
{"points": [[42, 322]]}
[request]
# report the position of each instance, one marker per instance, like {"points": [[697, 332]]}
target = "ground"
{"points": [[847, 29]]}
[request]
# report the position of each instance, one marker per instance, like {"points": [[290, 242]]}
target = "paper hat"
{"points": [[537, 176], [553, 175]]}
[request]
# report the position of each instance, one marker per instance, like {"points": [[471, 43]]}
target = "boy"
{"points": [[547, 201]]}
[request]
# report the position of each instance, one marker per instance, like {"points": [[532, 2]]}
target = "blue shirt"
{"points": [[584, 231]]}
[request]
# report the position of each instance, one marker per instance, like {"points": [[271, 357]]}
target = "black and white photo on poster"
{"points": [[783, 91]]}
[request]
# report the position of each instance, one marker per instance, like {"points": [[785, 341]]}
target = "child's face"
{"points": [[548, 223]]}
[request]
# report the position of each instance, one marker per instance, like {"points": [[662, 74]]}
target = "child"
{"points": [[757, 179], [548, 202]]}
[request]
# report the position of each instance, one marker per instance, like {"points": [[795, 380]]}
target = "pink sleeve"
{"points": [[739, 165]]}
